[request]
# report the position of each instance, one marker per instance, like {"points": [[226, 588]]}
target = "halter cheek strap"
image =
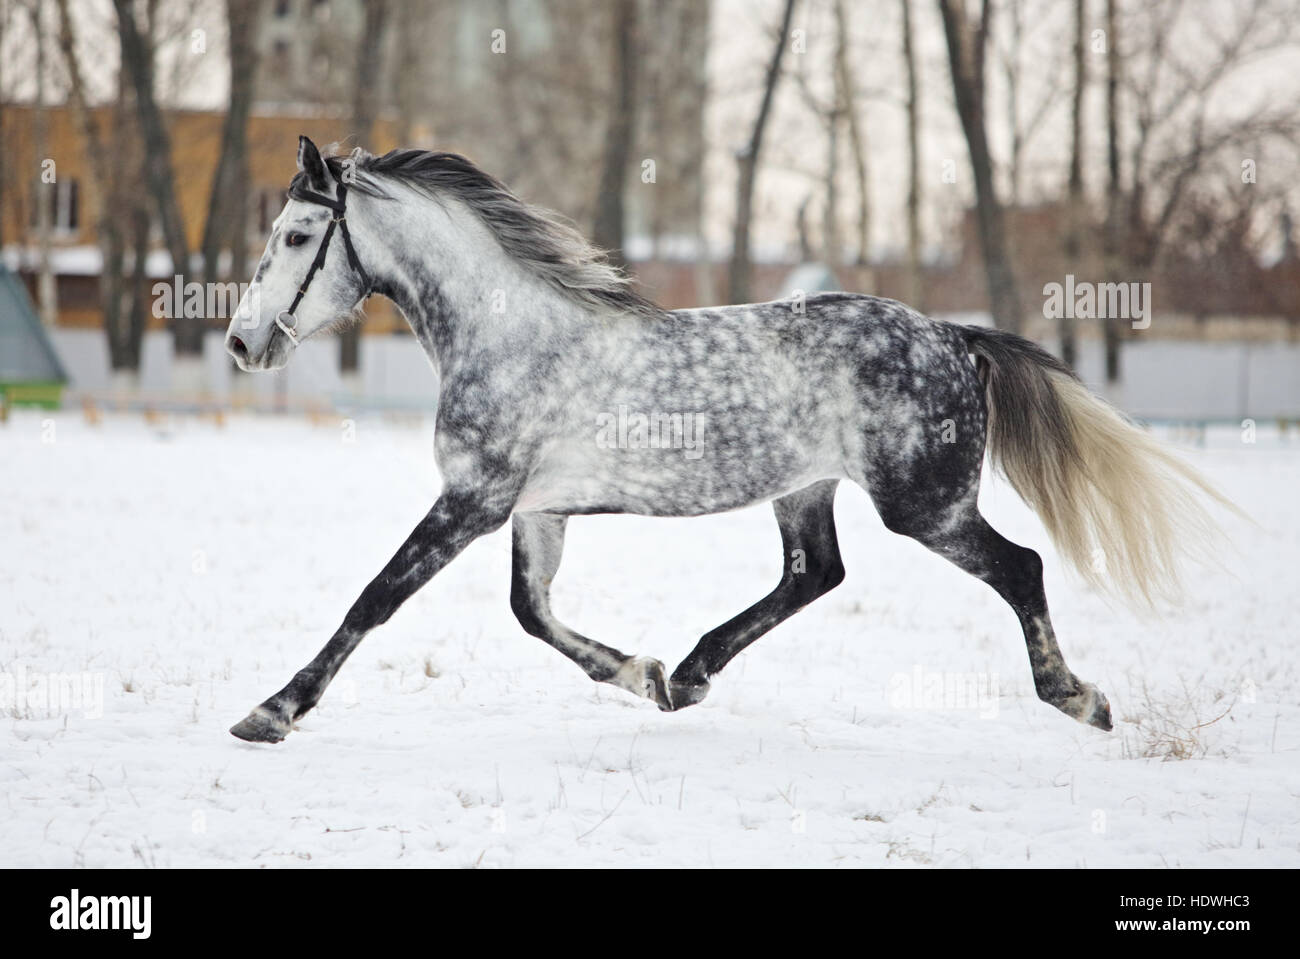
{"points": [[339, 220]]}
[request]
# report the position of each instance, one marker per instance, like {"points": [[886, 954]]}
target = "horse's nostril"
{"points": [[236, 347]]}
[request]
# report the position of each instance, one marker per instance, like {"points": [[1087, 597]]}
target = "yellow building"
{"points": [[76, 196]]}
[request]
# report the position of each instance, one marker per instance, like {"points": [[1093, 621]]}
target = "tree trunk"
{"points": [[4, 22], [832, 253], [915, 287], [239, 226], [967, 45], [801, 229], [123, 349], [365, 95], [408, 50], [747, 162], [138, 307], [46, 192], [229, 191], [847, 95], [1073, 244], [1112, 242], [128, 194], [695, 24], [365, 104], [108, 167], [1011, 76], [137, 61], [609, 226]]}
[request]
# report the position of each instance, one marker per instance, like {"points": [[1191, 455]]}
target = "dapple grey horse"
{"points": [[563, 392]]}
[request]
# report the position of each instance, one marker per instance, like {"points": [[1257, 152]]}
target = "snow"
{"points": [[190, 568]]}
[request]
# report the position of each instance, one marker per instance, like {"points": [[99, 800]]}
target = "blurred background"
{"points": [[963, 157]]}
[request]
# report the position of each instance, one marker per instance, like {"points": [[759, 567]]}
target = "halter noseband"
{"points": [[339, 220]]}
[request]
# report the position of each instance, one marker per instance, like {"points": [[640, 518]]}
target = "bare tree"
{"points": [[547, 103], [228, 198], [1112, 238], [1176, 129], [832, 251], [1072, 245], [4, 23], [847, 107], [138, 63], [655, 77], [801, 230], [831, 112], [747, 161], [79, 105], [365, 92], [407, 55], [621, 121], [1025, 115], [46, 285], [529, 113], [693, 41], [967, 47], [915, 287], [1179, 133], [125, 332], [365, 105], [137, 308]]}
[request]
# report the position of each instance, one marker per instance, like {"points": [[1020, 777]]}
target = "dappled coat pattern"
{"points": [[562, 391]]}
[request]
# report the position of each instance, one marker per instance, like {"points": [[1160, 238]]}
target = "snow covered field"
{"points": [[163, 578]]}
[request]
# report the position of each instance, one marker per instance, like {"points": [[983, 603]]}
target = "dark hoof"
{"points": [[685, 694], [261, 726]]}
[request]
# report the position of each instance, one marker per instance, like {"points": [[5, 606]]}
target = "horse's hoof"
{"points": [[1089, 706], [1100, 716], [261, 726], [644, 677], [685, 694]]}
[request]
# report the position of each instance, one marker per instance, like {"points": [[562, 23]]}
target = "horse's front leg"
{"points": [[456, 520]]}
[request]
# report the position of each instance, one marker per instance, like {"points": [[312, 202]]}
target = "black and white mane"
{"points": [[540, 238]]}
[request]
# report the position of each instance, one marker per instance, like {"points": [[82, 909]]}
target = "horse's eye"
{"points": [[295, 239]]}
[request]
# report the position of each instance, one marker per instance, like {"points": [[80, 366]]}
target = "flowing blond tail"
{"points": [[1119, 506]]}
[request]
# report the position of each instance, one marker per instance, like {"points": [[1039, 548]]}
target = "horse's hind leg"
{"points": [[962, 536], [812, 568], [538, 546]]}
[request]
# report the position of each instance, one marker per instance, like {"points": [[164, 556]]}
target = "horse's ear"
{"points": [[310, 163]]}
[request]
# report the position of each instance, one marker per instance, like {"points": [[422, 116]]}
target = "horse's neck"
{"points": [[461, 293]]}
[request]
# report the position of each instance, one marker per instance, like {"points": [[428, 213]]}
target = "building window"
{"points": [[282, 8], [318, 70], [64, 199], [279, 65]]}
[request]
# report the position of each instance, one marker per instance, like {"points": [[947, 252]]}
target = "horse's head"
{"points": [[310, 276]]}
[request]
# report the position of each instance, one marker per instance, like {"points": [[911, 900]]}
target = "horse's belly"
{"points": [[670, 482]]}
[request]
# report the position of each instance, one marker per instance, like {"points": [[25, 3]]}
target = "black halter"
{"points": [[339, 206]]}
